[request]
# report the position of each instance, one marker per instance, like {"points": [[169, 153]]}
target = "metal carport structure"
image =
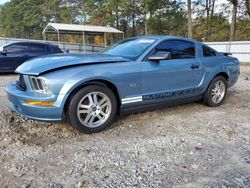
{"points": [[59, 28]]}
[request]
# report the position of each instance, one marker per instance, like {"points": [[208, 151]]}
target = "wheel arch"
{"points": [[223, 74], [101, 82]]}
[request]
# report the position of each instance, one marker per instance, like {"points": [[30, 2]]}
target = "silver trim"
{"points": [[132, 100], [44, 88]]}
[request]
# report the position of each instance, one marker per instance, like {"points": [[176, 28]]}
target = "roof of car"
{"points": [[162, 37], [30, 42]]}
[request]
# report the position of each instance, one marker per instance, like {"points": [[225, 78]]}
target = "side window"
{"points": [[16, 48], [48, 49], [179, 49], [207, 52], [37, 48]]}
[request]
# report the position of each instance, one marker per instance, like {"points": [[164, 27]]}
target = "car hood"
{"points": [[43, 64]]}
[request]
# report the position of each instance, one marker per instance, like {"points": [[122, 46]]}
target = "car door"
{"points": [[13, 55], [177, 77]]}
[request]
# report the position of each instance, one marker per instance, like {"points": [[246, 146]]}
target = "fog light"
{"points": [[40, 103]]}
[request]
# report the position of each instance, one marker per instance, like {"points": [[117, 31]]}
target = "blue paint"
{"points": [[134, 79]]}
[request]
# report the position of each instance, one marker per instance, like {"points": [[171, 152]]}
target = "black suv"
{"points": [[14, 54]]}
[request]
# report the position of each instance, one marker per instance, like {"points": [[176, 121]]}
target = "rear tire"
{"points": [[92, 109], [216, 92]]}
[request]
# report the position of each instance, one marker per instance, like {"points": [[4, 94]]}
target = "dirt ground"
{"points": [[187, 145]]}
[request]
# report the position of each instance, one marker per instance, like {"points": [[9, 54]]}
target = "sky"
{"points": [[3, 1]]}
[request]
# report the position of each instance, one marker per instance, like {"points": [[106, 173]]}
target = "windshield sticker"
{"points": [[146, 41]]}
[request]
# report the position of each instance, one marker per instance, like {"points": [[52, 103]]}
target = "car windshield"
{"points": [[1, 47], [130, 48]]}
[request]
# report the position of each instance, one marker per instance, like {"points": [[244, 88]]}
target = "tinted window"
{"points": [[38, 48], [16, 48], [48, 49], [208, 51], [179, 49], [55, 49]]}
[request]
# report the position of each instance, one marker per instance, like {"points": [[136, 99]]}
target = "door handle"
{"points": [[194, 66]]}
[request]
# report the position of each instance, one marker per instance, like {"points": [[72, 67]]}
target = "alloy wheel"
{"points": [[218, 91], [94, 109]]}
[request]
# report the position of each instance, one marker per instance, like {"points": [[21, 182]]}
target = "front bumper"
{"points": [[17, 99]]}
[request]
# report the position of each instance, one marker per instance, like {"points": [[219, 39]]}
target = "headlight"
{"points": [[39, 84]]}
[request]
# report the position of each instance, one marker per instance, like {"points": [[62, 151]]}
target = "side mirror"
{"points": [[160, 55], [4, 52]]}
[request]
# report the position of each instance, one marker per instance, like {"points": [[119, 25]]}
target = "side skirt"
{"points": [[158, 105]]}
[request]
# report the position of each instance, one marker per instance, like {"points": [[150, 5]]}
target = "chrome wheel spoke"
{"points": [[94, 109], [214, 98], [91, 101], [99, 118], [104, 104], [91, 121], [103, 114], [95, 98], [87, 118], [218, 91], [103, 100], [84, 111], [222, 88], [216, 86], [213, 91], [217, 98], [84, 106]]}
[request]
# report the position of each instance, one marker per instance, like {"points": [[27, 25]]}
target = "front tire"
{"points": [[216, 92], [92, 109]]}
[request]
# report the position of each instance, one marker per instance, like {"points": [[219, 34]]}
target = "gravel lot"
{"points": [[188, 145], [5, 78]]}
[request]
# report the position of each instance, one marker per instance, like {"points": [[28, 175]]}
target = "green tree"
{"points": [[1, 27], [169, 20], [22, 18], [219, 28], [243, 31]]}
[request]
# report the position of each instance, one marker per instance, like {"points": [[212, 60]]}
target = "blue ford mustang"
{"points": [[137, 73]]}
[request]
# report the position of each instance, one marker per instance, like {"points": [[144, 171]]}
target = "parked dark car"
{"points": [[14, 54]]}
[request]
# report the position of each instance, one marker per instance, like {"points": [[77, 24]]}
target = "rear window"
{"points": [[38, 48], [48, 49], [208, 52], [55, 48]]}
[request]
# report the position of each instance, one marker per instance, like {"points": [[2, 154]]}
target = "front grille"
{"points": [[21, 82]]}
